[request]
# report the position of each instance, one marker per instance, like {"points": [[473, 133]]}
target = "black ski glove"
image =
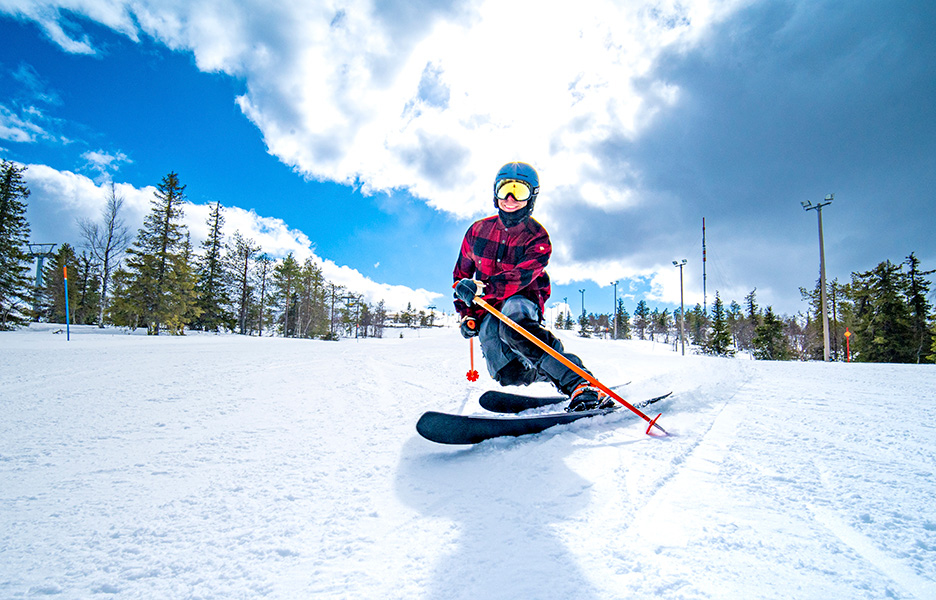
{"points": [[468, 327], [467, 289]]}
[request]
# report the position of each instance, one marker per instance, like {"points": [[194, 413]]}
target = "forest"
{"points": [[881, 315], [158, 281]]}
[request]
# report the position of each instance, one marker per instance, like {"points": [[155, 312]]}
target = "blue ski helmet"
{"points": [[522, 172]]}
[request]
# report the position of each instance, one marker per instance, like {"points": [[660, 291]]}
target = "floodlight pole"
{"points": [[682, 305], [614, 309], [822, 280]]}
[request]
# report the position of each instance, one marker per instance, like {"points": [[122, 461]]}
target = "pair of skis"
{"points": [[461, 429], [445, 428]]}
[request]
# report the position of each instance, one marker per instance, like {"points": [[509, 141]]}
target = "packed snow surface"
{"points": [[220, 466]]}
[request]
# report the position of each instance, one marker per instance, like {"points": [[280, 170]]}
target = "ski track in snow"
{"points": [[227, 467]]}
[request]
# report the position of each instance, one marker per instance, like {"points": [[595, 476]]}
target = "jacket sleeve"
{"points": [[464, 269]]}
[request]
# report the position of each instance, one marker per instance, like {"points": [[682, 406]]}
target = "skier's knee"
{"points": [[515, 373]]}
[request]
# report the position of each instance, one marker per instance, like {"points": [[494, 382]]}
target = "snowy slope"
{"points": [[227, 467]]}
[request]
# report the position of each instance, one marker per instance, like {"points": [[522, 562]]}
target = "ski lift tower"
{"points": [[40, 252]]}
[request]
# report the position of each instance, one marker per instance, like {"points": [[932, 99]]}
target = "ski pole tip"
{"points": [[654, 423]]}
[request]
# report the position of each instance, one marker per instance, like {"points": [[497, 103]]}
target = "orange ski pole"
{"points": [[569, 364], [472, 374]]}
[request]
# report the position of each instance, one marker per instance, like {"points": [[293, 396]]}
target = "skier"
{"points": [[503, 259]]}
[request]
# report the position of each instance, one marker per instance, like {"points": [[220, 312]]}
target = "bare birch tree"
{"points": [[107, 242]]}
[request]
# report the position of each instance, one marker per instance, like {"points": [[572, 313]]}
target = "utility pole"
{"points": [[614, 308], [822, 282], [682, 305]]}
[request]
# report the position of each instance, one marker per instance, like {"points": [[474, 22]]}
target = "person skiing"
{"points": [[503, 259]]}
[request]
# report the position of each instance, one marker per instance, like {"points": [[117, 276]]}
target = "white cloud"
{"points": [[433, 97], [16, 129], [359, 92], [59, 198], [104, 163]]}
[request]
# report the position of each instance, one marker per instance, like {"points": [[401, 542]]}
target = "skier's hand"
{"points": [[468, 327], [467, 289]]}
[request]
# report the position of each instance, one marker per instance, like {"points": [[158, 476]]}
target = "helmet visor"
{"points": [[520, 190]]}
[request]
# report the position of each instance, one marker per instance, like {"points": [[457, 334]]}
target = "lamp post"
{"points": [[822, 284], [682, 305], [614, 309]]}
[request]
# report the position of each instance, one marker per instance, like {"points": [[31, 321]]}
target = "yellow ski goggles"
{"points": [[520, 190]]}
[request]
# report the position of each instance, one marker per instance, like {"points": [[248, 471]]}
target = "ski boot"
{"points": [[587, 397]]}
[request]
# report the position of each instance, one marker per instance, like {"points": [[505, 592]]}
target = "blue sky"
{"points": [[368, 138]]}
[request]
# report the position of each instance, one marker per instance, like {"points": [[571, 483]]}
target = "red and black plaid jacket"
{"points": [[508, 261]]}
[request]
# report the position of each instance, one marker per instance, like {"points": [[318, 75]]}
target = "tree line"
{"points": [[881, 315], [158, 281]]}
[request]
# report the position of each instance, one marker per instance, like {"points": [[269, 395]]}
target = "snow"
{"points": [[219, 466]]}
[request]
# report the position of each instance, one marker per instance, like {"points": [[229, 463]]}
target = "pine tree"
{"points": [[264, 271], [753, 311], [697, 323], [814, 333], [737, 325], [836, 327], [183, 300], [15, 286], [314, 314], [660, 323], [917, 292], [121, 311], [883, 331], [153, 287], [285, 282], [622, 320], [932, 356], [641, 319], [653, 323], [240, 263], [366, 319], [583, 325], [211, 288], [380, 319], [769, 341], [406, 317], [719, 342]]}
